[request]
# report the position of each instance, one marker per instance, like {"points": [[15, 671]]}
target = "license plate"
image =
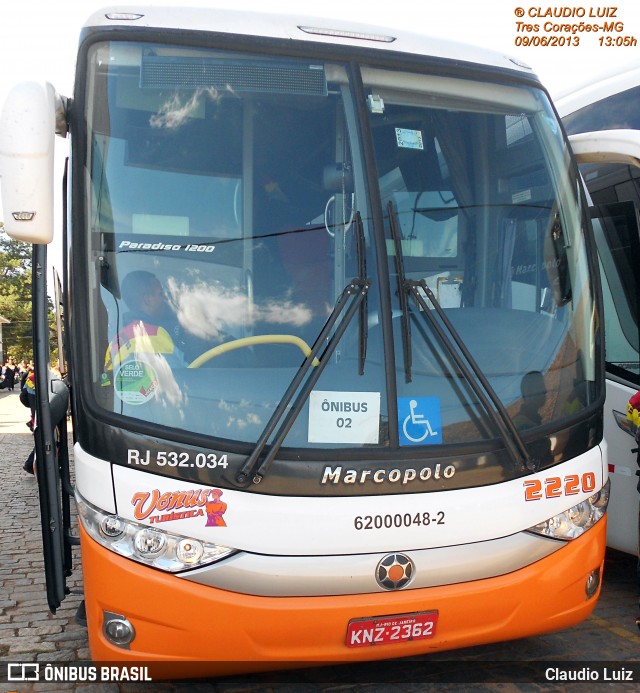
{"points": [[386, 630]]}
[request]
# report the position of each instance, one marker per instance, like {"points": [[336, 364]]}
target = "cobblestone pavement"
{"points": [[29, 633]]}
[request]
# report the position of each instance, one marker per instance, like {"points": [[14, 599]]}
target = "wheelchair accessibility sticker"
{"points": [[419, 420]]}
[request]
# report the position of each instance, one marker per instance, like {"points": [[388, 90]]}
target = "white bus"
{"points": [[612, 102], [334, 336]]}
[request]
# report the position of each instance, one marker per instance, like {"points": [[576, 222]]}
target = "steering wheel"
{"points": [[250, 341]]}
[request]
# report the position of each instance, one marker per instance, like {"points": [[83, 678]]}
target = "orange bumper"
{"points": [[208, 631]]}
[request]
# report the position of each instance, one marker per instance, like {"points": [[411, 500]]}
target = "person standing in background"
{"points": [[10, 375]]}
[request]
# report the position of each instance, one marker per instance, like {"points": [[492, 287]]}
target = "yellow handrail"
{"points": [[250, 341]]}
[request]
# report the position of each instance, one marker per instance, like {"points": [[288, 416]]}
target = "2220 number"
{"points": [[555, 486]]}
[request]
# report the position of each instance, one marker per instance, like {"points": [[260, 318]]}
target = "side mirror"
{"points": [[27, 134], [607, 146]]}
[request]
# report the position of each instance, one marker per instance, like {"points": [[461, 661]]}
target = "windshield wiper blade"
{"points": [[468, 366], [362, 272], [254, 470], [402, 293], [472, 373]]}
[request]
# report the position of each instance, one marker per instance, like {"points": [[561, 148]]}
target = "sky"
{"points": [[39, 38]]}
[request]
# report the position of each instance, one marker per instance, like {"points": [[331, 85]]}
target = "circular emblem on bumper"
{"points": [[395, 571]]}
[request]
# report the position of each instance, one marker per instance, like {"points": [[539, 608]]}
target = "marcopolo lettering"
{"points": [[338, 475]]}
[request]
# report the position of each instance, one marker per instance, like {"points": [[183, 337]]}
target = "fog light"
{"points": [[592, 584], [118, 630]]}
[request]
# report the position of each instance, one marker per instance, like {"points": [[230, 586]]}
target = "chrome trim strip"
{"points": [[314, 576]]}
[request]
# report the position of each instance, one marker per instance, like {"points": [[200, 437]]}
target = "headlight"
{"points": [[576, 520], [154, 547]]}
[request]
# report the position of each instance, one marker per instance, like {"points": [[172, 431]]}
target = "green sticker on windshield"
{"points": [[135, 382]]}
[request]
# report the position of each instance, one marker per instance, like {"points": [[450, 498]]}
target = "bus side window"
{"points": [[618, 242]]}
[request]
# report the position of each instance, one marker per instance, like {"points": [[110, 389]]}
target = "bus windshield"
{"points": [[228, 207]]}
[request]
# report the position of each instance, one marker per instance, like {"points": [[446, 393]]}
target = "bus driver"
{"points": [[151, 326]]}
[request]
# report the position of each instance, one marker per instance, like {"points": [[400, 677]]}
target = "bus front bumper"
{"points": [[193, 630]]}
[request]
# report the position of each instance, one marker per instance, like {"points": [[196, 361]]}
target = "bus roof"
{"points": [[613, 81], [301, 28]]}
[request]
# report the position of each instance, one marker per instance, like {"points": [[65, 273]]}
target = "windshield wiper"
{"points": [[352, 297], [402, 294], [450, 338], [486, 394], [362, 272]]}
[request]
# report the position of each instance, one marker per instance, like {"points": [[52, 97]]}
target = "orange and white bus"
{"points": [[334, 339]]}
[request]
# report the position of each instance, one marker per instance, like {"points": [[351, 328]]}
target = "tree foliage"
{"points": [[15, 301], [15, 298]]}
